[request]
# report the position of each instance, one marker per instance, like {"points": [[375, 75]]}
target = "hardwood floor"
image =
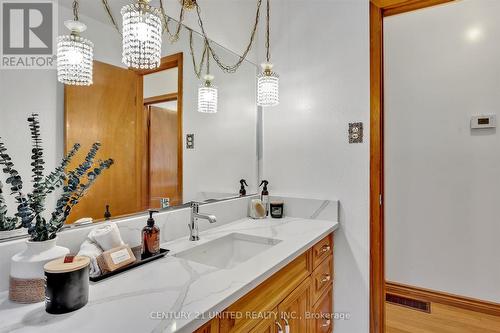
{"points": [[442, 319]]}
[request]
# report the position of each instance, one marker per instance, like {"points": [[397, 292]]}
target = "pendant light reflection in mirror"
{"points": [[142, 35], [75, 54], [207, 92]]}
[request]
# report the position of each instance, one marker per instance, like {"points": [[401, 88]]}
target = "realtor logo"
{"points": [[28, 34]]}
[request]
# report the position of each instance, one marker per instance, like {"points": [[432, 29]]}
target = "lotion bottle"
{"points": [[150, 237]]}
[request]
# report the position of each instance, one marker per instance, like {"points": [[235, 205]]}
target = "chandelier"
{"points": [[267, 80], [74, 54], [142, 31]]}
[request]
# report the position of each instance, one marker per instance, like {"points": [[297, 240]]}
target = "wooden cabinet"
{"points": [[287, 299], [293, 309], [323, 313], [238, 317]]}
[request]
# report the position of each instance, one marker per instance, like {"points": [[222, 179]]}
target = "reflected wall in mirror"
{"points": [[142, 120]]}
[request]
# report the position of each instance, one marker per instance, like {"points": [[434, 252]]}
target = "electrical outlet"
{"points": [[189, 141], [355, 132]]}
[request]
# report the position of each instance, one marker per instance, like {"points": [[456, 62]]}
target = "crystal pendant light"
{"points": [[268, 81], [207, 96], [75, 54], [142, 30]]}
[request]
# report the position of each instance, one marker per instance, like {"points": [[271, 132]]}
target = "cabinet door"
{"points": [[323, 313], [268, 325], [293, 308]]}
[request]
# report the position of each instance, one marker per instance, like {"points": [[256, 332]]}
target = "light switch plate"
{"points": [[189, 141], [355, 133]]}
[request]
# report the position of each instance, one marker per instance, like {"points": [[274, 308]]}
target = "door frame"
{"points": [[167, 62], [378, 10]]}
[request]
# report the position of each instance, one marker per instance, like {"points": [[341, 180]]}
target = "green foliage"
{"points": [[76, 183], [16, 185], [6, 223]]}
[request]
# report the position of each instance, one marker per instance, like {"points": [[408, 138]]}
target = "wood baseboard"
{"points": [[462, 302]]}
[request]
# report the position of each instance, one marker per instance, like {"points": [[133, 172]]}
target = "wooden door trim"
{"points": [[428, 295], [168, 62], [378, 10], [160, 99]]}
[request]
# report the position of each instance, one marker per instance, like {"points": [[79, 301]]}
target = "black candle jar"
{"points": [[277, 209], [66, 285]]}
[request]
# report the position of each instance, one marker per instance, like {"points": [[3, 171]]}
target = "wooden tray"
{"points": [[139, 261]]}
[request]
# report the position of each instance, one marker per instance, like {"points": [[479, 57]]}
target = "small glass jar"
{"points": [[277, 209]]}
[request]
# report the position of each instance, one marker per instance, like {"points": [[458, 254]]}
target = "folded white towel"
{"points": [[106, 236], [92, 251]]}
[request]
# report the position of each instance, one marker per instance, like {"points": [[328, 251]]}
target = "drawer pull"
{"points": [[280, 328], [326, 323], [325, 248], [287, 326], [326, 278]]}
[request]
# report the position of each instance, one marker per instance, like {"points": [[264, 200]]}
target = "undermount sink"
{"points": [[228, 251]]}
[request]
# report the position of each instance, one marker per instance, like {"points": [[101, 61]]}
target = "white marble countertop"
{"points": [[172, 294]]}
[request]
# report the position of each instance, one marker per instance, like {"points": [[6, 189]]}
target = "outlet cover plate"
{"points": [[189, 141], [355, 132]]}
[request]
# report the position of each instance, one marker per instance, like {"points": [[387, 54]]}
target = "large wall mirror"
{"points": [[165, 152]]}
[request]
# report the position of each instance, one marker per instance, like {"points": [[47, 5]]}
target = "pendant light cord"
{"points": [[110, 15], [208, 58], [75, 10], [268, 16]]}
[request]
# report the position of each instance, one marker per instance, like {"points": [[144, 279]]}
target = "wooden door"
{"points": [[164, 167], [292, 310], [106, 112]]}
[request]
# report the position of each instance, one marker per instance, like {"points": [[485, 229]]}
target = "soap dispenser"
{"points": [[264, 196], [150, 237], [243, 190]]}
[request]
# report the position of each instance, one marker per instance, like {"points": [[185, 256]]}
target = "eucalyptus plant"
{"points": [[75, 184]]}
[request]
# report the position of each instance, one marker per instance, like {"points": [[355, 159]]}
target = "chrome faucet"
{"points": [[195, 215]]}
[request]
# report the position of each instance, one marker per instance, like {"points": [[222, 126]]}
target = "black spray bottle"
{"points": [[243, 190], [264, 195]]}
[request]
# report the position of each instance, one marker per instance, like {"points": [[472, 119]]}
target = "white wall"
{"points": [[320, 49], [442, 179]]}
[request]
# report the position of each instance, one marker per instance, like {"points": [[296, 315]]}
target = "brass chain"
{"points": [[208, 49], [268, 16], [172, 37], [110, 15], [75, 10], [229, 68], [197, 69]]}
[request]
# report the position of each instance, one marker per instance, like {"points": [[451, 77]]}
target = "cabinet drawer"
{"points": [[322, 278], [323, 313], [266, 296], [322, 249]]}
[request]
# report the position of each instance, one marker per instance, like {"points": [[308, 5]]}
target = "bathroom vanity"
{"points": [[237, 271]]}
